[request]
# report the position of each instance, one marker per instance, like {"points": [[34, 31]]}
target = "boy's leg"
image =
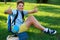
{"points": [[32, 21]]}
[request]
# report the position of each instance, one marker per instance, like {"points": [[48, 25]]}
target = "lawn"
{"points": [[48, 15]]}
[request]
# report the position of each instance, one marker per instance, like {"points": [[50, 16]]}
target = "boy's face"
{"points": [[20, 6]]}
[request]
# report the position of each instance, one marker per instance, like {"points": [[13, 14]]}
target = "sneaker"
{"points": [[49, 31]]}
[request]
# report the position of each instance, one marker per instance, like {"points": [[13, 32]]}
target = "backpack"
{"points": [[9, 20]]}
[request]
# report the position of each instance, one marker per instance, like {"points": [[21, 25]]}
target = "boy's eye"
{"points": [[20, 5]]}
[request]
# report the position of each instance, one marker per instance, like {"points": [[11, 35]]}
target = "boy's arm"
{"points": [[8, 11], [33, 11]]}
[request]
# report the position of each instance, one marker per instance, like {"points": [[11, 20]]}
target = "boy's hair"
{"points": [[20, 2]]}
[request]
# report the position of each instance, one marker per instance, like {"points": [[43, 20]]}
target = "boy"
{"points": [[24, 26]]}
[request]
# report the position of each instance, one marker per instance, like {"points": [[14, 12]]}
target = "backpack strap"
{"points": [[17, 15], [14, 20], [22, 13], [9, 23]]}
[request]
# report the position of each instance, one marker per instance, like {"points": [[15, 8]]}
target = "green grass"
{"points": [[48, 15]]}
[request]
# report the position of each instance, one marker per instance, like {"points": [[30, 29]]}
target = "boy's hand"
{"points": [[8, 11], [35, 9]]}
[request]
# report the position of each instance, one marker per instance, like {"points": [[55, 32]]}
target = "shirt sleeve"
{"points": [[25, 12], [14, 12]]}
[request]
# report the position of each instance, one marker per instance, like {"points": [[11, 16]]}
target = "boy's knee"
{"points": [[31, 16]]}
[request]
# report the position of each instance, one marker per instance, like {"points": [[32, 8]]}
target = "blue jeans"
{"points": [[23, 36]]}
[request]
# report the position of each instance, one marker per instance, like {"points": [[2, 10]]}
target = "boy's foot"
{"points": [[49, 31]]}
